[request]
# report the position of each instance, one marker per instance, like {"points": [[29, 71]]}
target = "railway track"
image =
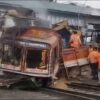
{"points": [[37, 95], [61, 94], [74, 92], [84, 86], [71, 93], [86, 89]]}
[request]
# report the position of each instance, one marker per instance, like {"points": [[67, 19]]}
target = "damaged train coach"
{"points": [[33, 52]]}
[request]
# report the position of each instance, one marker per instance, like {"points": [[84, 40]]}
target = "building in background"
{"points": [[51, 12]]}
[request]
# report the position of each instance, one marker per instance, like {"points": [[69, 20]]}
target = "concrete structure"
{"points": [[51, 12], [22, 10]]}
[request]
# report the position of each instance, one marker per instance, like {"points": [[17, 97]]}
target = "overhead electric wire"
{"points": [[79, 13]]}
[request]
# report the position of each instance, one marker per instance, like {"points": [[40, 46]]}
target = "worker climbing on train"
{"points": [[75, 40], [93, 60]]}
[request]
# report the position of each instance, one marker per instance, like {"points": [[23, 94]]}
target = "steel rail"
{"points": [[84, 86], [89, 90], [68, 92]]}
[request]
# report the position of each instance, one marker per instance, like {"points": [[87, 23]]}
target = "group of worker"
{"points": [[93, 57], [94, 60]]}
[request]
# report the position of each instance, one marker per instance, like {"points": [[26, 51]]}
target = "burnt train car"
{"points": [[37, 52], [33, 52]]}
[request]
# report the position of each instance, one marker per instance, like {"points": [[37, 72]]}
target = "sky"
{"points": [[91, 3]]}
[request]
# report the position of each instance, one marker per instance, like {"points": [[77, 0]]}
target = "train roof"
{"points": [[41, 35]]}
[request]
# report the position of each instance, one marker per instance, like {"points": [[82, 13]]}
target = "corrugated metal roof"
{"points": [[73, 9], [38, 5]]}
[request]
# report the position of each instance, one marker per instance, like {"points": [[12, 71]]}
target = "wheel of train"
{"points": [[42, 82], [31, 83], [27, 82]]}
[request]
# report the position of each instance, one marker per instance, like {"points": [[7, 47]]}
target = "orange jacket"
{"points": [[99, 61], [90, 50], [75, 40], [94, 56]]}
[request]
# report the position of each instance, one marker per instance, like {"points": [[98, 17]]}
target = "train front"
{"points": [[29, 53]]}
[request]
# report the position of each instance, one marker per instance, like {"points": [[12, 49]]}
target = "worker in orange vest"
{"points": [[75, 41], [93, 60], [99, 67]]}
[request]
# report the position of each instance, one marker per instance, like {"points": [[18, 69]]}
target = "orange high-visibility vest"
{"points": [[99, 61], [75, 40], [93, 56], [90, 50]]}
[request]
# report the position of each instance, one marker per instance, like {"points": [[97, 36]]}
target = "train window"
{"points": [[11, 55], [36, 59]]}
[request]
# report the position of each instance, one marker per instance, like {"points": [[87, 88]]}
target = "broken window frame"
{"points": [[47, 56], [21, 58]]}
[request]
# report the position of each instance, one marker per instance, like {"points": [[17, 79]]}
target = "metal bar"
{"points": [[70, 93], [84, 86]]}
